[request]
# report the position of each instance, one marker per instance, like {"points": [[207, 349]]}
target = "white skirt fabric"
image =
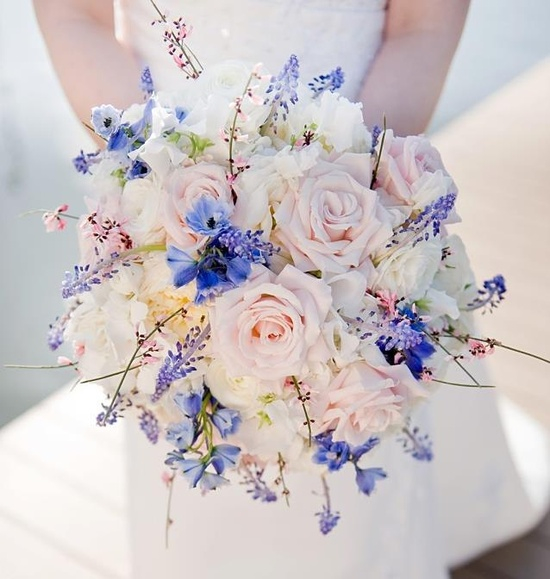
{"points": [[422, 520]]}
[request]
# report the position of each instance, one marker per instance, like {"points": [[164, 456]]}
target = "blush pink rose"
{"points": [[334, 221], [403, 162], [270, 327], [184, 188], [366, 397]]}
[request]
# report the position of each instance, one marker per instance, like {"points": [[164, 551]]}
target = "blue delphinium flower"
{"points": [[209, 216], [404, 340], [333, 454], [182, 434], [211, 481], [225, 260], [366, 478], [137, 170], [226, 421], [224, 456], [357, 452], [190, 403], [105, 120]]}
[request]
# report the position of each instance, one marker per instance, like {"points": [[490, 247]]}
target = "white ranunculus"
{"points": [[140, 203], [239, 393], [409, 271]]}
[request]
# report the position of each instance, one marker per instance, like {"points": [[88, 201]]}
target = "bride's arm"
{"points": [[407, 76], [92, 66]]}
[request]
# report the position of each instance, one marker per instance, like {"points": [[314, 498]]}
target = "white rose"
{"points": [[409, 271]]}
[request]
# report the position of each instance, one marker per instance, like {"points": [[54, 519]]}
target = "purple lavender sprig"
{"points": [[179, 364], [149, 425], [426, 224]]}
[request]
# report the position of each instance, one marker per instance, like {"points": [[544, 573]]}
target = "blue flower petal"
{"points": [[366, 478], [184, 268]]}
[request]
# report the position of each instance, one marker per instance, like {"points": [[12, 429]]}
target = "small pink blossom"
{"points": [[427, 375], [167, 478], [53, 220], [64, 361], [387, 300], [479, 349]]}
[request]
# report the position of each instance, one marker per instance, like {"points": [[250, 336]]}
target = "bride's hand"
{"points": [[92, 66]]}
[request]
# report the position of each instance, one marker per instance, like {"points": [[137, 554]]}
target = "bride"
{"points": [[425, 517]]}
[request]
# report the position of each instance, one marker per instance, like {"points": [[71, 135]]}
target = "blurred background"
{"points": [[39, 135]]}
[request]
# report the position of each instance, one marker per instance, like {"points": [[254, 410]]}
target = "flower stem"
{"points": [[105, 376], [375, 170], [43, 367], [169, 520], [461, 366], [282, 464], [464, 338], [302, 400], [462, 384], [134, 356]]}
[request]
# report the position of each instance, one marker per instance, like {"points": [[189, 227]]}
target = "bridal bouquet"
{"points": [[264, 281]]}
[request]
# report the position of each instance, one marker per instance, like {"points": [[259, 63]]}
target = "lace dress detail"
{"points": [[319, 32]]}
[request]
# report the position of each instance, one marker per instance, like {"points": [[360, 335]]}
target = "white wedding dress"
{"points": [[425, 517]]}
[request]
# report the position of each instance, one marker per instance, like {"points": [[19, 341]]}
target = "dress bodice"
{"points": [[324, 34]]}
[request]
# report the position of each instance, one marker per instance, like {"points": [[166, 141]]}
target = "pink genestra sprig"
{"points": [[248, 92], [175, 34]]}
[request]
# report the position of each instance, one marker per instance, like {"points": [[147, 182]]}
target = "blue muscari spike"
{"points": [[418, 445], [491, 295], [327, 519], [327, 82], [146, 82], [283, 86]]}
